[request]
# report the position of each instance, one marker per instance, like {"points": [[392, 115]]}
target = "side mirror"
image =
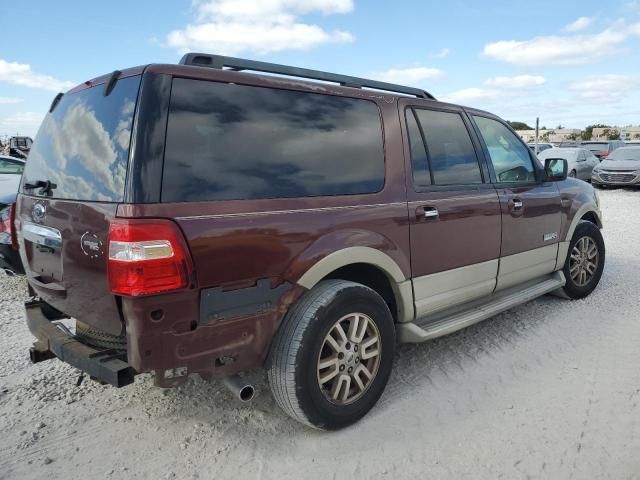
{"points": [[556, 169]]}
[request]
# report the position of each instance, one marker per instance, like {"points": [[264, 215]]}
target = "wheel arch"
{"points": [[370, 267]]}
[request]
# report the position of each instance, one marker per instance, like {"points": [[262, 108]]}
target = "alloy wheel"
{"points": [[349, 358], [584, 261]]}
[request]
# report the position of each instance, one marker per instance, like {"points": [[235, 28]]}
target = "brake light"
{"points": [[7, 224], [604, 154], [12, 226], [147, 257]]}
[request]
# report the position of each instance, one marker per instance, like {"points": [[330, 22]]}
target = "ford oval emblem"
{"points": [[39, 212], [91, 245]]}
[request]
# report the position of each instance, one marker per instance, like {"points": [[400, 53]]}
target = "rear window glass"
{"points": [[83, 146], [450, 151], [228, 142], [597, 147], [11, 166]]}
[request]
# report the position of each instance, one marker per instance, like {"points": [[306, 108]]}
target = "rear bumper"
{"points": [[105, 365]]}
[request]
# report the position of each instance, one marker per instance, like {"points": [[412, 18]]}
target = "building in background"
{"points": [[550, 135], [630, 133]]}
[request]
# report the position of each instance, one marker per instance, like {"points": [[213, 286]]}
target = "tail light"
{"points": [[147, 257], [603, 154], [7, 224]]}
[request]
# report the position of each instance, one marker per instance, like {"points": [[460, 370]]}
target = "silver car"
{"points": [[581, 161], [622, 168]]}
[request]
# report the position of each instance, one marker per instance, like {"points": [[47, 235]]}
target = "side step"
{"points": [[428, 328]]}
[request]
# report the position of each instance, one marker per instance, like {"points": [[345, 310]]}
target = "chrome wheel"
{"points": [[349, 358], [584, 261]]}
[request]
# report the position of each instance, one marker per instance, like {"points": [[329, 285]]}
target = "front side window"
{"points": [[509, 156], [450, 152], [237, 142]]}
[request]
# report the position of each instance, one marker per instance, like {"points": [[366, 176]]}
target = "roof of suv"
{"points": [[220, 68]]}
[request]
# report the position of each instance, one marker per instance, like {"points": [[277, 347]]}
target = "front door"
{"points": [[531, 206], [454, 211]]}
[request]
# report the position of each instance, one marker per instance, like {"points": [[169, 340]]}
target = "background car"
{"points": [[541, 147], [581, 161], [10, 174], [602, 149], [622, 168]]}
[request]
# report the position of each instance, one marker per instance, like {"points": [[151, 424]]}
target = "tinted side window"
{"points": [[227, 142], [510, 158], [450, 151], [419, 160]]}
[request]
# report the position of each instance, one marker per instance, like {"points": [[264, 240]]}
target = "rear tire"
{"points": [[337, 330], [585, 261]]}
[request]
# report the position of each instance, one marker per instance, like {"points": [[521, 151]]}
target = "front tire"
{"points": [[585, 261], [332, 357]]}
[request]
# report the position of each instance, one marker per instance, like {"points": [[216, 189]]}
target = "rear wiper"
{"points": [[46, 187]]}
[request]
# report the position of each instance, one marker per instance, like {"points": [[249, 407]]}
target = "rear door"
{"points": [[454, 212], [72, 184], [531, 206]]}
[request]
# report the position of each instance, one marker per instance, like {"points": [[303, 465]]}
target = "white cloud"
{"points": [[408, 76], [579, 24], [8, 100], [562, 50], [604, 88], [24, 123], [442, 53], [260, 26], [470, 95], [21, 74], [518, 81], [498, 88]]}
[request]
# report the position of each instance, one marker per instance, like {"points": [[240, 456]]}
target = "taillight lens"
{"points": [[147, 257], [7, 226], [604, 154]]}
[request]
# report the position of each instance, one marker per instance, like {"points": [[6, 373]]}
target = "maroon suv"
{"points": [[198, 218]]}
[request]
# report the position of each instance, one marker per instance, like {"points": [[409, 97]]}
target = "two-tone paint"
{"points": [[421, 265]]}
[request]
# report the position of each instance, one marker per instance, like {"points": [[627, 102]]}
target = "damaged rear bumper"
{"points": [[54, 340]]}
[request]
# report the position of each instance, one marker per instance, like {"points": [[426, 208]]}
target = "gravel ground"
{"points": [[548, 390]]}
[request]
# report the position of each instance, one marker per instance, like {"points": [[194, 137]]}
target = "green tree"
{"points": [[637, 136], [573, 136], [614, 134], [559, 127], [519, 126]]}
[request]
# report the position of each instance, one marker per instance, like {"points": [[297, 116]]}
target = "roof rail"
{"points": [[239, 64]]}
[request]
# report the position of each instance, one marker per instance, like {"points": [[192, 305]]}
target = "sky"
{"points": [[569, 63]]}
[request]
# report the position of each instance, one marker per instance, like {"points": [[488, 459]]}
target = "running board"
{"points": [[428, 328]]}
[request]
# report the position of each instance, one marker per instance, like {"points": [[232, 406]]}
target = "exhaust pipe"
{"points": [[240, 388]]}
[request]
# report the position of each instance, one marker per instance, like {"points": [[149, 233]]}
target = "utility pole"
{"points": [[537, 130]]}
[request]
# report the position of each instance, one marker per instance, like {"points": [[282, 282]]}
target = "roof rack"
{"points": [[239, 64]]}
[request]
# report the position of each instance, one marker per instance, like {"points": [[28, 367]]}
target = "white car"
{"points": [[10, 174], [581, 161]]}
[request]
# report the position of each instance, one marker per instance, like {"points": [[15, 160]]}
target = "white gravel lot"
{"points": [[548, 390]]}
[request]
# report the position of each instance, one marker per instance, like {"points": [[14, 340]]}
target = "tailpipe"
{"points": [[240, 388]]}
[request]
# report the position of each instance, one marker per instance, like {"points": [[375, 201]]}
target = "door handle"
{"points": [[517, 204], [426, 212]]}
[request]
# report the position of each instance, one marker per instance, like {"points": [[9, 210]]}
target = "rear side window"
{"points": [[451, 156], [230, 142], [419, 160]]}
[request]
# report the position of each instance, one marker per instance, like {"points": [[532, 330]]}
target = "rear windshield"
{"points": [[228, 142], [83, 146], [597, 147]]}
